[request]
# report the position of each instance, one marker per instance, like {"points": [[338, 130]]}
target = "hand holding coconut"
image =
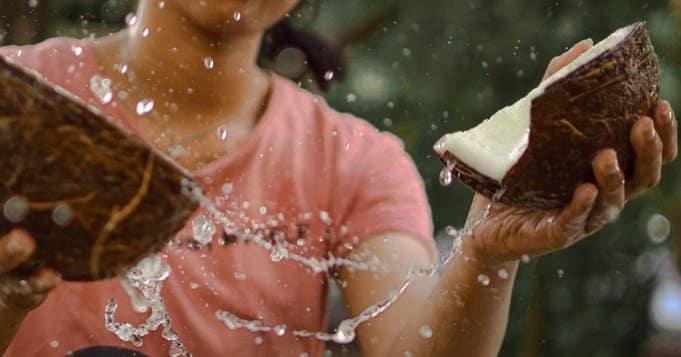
{"points": [[20, 295], [524, 220], [510, 233]]}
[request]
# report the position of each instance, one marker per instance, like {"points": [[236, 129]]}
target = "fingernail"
{"points": [[589, 41], [614, 166], [612, 213], [14, 246], [650, 131]]}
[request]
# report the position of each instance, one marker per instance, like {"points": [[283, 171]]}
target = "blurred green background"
{"points": [[423, 68]]}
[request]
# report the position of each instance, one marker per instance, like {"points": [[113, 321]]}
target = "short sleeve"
{"points": [[379, 188]]}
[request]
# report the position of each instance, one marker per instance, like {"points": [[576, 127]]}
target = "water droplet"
{"points": [[130, 19], [16, 209], [345, 333], [277, 254], [262, 210], [280, 330], [498, 195], [32, 3], [503, 274], [237, 16], [239, 275], [145, 32], [561, 272], [193, 286], [525, 258], [446, 176], [209, 63], [328, 75], [176, 151], [77, 50], [451, 231], [62, 214], [658, 228], [406, 52], [145, 106], [408, 354], [258, 340], [222, 133], [325, 217], [161, 4], [101, 88], [425, 331], [483, 279], [54, 344], [351, 98], [203, 229], [227, 188]]}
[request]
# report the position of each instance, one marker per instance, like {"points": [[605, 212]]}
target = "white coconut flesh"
{"points": [[494, 146]]}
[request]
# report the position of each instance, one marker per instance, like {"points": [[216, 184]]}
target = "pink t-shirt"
{"points": [[307, 174]]}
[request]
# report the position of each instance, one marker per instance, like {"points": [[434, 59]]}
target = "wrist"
{"points": [[484, 263]]}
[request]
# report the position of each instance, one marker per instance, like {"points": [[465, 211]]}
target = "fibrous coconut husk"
{"points": [[96, 199]]}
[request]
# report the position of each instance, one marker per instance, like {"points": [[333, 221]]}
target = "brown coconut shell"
{"points": [[125, 200], [590, 109]]}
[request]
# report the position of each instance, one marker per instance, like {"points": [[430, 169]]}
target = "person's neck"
{"points": [[177, 62]]}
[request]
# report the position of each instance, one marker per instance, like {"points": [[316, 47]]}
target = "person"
{"points": [[279, 161]]}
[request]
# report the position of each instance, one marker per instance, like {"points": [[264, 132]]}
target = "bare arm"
{"points": [[464, 316], [460, 313]]}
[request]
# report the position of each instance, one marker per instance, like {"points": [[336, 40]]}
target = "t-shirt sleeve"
{"points": [[379, 188]]}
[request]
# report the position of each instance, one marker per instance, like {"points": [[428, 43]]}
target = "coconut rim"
{"points": [[33, 77], [463, 169]]}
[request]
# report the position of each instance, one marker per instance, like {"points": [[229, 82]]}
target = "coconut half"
{"points": [[95, 198], [534, 153]]}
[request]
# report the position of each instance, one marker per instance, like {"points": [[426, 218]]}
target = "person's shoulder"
{"points": [[307, 106], [53, 52]]}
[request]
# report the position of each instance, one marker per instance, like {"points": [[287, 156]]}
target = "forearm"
{"points": [[466, 316], [10, 321]]}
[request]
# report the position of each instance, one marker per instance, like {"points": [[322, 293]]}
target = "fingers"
{"points": [[27, 294], [15, 248], [44, 281], [666, 127], [563, 60], [648, 149], [611, 198], [570, 224]]}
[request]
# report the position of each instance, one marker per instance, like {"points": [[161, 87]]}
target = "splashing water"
{"points": [[446, 176], [209, 63], [148, 276], [345, 332], [144, 107], [203, 229], [101, 88], [144, 283]]}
